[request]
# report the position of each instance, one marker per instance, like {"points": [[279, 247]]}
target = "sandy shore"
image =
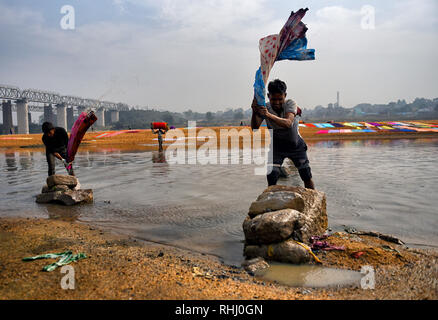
{"points": [[120, 267], [145, 140]]}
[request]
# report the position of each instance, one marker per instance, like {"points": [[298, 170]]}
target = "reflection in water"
{"points": [[309, 276], [10, 161], [383, 185], [58, 212], [26, 160]]}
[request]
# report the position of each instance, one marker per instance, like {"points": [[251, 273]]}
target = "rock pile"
{"points": [[281, 220], [64, 189]]}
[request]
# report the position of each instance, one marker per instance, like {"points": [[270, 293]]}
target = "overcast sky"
{"points": [[202, 55]]}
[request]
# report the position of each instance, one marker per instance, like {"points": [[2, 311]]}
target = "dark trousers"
{"points": [[300, 161], [51, 161]]}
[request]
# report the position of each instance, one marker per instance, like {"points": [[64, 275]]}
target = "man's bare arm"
{"points": [[282, 122]]}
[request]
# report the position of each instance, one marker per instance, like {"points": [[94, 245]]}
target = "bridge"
{"points": [[18, 100]]}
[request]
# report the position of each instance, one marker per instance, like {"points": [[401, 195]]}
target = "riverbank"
{"points": [[120, 267], [145, 140]]}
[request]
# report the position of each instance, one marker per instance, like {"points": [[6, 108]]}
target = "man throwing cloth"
{"points": [[56, 141], [280, 116]]}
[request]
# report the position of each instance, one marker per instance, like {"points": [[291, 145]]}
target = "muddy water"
{"points": [[384, 185], [309, 276]]}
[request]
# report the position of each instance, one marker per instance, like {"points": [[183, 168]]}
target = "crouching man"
{"points": [[56, 141], [280, 116]]}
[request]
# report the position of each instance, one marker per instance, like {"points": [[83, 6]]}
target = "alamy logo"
{"points": [[68, 20], [368, 21], [223, 147], [368, 280], [68, 281]]}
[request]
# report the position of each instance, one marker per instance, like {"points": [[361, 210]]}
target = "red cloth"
{"points": [[81, 126]]}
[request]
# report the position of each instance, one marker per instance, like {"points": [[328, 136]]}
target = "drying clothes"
{"points": [[290, 44], [81, 125], [65, 258], [324, 245]]}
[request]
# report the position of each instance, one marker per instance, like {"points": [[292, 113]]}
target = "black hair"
{"points": [[47, 126], [277, 86]]}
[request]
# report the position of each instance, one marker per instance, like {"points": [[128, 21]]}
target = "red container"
{"points": [[160, 125]]}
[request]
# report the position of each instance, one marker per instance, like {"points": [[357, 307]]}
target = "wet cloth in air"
{"points": [[80, 127], [290, 44]]}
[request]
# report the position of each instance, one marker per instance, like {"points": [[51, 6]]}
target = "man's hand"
{"points": [[57, 155], [255, 107], [263, 111]]}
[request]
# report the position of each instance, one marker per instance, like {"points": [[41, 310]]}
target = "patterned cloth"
{"points": [[290, 44]]}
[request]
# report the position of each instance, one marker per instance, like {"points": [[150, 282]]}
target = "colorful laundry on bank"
{"points": [[112, 134]]}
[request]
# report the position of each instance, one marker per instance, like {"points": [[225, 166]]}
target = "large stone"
{"points": [[48, 197], [288, 168], [287, 251], [69, 198], [271, 227], [60, 179], [255, 265], [273, 201], [60, 187], [313, 220]]}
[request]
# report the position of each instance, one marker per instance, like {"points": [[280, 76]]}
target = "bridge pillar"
{"points": [[8, 127], [100, 114], [70, 118], [81, 109], [22, 116], [48, 113], [114, 116], [61, 116]]}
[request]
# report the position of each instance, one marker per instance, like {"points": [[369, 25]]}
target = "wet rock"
{"points": [[254, 265], [69, 198], [272, 227], [60, 187], [59, 179], [48, 197], [273, 201], [287, 168], [314, 212], [287, 251]]}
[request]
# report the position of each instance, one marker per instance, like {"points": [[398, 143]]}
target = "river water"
{"points": [[388, 186]]}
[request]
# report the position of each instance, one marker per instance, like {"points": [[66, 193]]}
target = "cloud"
{"points": [[203, 54]]}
